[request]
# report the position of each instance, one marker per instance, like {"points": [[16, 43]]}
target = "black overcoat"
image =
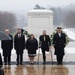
{"points": [[59, 43], [19, 43], [1, 63], [32, 46], [44, 44], [7, 46]]}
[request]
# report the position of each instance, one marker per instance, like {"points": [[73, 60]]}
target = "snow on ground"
{"points": [[70, 33], [70, 50]]}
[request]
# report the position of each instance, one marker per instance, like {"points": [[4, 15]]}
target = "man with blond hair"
{"points": [[45, 43]]}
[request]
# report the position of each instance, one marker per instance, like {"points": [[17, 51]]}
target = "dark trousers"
{"points": [[59, 59], [7, 59], [44, 55], [19, 58]]}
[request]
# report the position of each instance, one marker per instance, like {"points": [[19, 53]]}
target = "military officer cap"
{"points": [[59, 27]]}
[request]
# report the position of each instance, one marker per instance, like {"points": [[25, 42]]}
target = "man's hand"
{"points": [[49, 47]]}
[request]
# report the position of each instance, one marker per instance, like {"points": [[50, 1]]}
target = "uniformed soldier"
{"points": [[59, 41]]}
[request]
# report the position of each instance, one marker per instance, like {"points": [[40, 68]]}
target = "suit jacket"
{"points": [[44, 44], [7, 46], [59, 43], [19, 43]]}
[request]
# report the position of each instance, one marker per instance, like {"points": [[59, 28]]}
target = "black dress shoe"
{"points": [[17, 64], [9, 63], [5, 63], [21, 63], [44, 62], [59, 63]]}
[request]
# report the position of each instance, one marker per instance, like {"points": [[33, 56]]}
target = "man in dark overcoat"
{"points": [[7, 46], [44, 42], [19, 45], [59, 41], [1, 63], [1, 66]]}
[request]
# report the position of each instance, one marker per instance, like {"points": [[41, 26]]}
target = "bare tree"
{"points": [[69, 18], [7, 20], [38, 7]]}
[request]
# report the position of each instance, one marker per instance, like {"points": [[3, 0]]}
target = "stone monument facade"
{"points": [[39, 20]]}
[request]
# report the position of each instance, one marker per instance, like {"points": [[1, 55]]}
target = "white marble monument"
{"points": [[39, 20]]}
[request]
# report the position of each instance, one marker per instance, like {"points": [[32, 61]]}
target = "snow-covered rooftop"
{"points": [[40, 11]]}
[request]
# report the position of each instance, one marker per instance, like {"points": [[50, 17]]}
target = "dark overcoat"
{"points": [[7, 46], [44, 44], [19, 43], [59, 43], [1, 63], [32, 46]]}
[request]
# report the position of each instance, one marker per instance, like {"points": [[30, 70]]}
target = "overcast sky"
{"points": [[15, 5]]}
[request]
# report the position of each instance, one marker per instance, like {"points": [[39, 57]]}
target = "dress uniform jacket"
{"points": [[45, 43], [59, 43]]}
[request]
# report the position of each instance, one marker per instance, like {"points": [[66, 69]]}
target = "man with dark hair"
{"points": [[44, 42], [59, 42], [19, 45]]}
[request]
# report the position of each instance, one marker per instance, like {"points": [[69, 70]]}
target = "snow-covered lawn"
{"points": [[70, 33]]}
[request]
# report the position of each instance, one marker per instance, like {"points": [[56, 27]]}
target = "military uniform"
{"points": [[59, 41]]}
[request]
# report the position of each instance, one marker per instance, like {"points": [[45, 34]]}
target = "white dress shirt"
{"points": [[19, 35], [59, 34]]}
